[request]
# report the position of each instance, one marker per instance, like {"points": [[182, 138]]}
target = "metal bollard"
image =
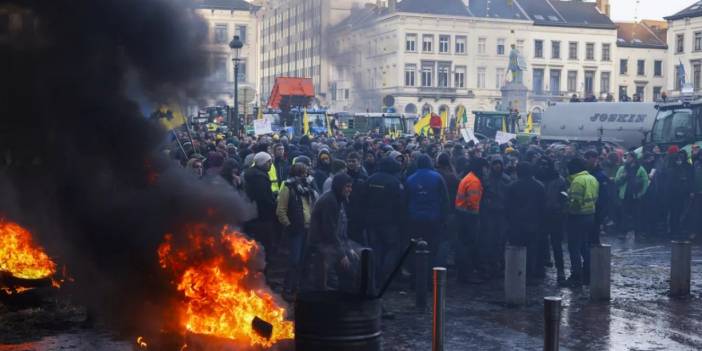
{"points": [[515, 275], [367, 273], [680, 271], [439, 308], [552, 323], [600, 273], [421, 272]]}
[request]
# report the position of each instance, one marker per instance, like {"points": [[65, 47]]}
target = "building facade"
{"points": [[642, 60], [225, 19], [452, 53], [685, 47], [294, 40]]}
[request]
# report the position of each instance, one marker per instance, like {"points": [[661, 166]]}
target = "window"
{"points": [[427, 73], [443, 77], [623, 66], [572, 81], [481, 78], [641, 67], [555, 82], [698, 41], [220, 69], [605, 52], [460, 45], [589, 83], [538, 81], [499, 78], [500, 47], [555, 49], [411, 43], [604, 82], [410, 70], [696, 75], [520, 46], [242, 71], [680, 43], [538, 48], [241, 32], [590, 51], [459, 77], [427, 43], [656, 93], [658, 68], [623, 93], [444, 43], [640, 92], [573, 50], [220, 34], [481, 45]]}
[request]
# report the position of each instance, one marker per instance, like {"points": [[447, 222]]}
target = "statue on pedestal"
{"points": [[517, 66]]}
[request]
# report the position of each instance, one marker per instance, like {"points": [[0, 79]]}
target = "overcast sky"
{"points": [[625, 10]]}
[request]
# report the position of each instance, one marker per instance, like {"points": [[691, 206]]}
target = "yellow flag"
{"points": [[530, 124], [305, 123], [170, 116], [260, 113], [422, 125], [329, 127], [444, 122]]}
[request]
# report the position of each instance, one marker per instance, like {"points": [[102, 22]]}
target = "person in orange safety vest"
{"points": [[470, 193]]}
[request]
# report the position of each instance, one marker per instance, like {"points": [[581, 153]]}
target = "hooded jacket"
{"points": [[496, 186], [322, 170], [582, 194], [627, 182], [384, 196], [258, 188], [427, 197], [329, 222]]}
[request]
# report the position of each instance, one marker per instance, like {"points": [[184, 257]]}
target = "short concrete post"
{"points": [[515, 275], [680, 270], [421, 272], [367, 273], [439, 308], [552, 323], [600, 273]]}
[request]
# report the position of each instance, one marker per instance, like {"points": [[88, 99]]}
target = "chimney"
{"points": [[603, 6], [392, 5]]}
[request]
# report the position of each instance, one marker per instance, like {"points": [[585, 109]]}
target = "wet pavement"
{"points": [[640, 315]]}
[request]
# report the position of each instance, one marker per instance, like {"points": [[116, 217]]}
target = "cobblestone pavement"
{"points": [[640, 316]]}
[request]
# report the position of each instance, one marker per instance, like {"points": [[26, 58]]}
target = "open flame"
{"points": [[222, 289], [20, 256]]}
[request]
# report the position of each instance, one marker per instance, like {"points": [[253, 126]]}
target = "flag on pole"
{"points": [[444, 121], [260, 113], [305, 123], [504, 124], [530, 124], [461, 117], [422, 125], [329, 126], [170, 116]]}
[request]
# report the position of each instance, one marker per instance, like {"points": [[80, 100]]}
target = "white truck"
{"points": [[626, 124]]}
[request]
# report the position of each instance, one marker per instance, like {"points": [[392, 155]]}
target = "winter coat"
{"points": [[556, 202], [678, 181], [698, 177], [635, 185], [451, 181], [384, 196], [583, 194], [295, 203], [525, 200], [322, 171], [258, 188], [427, 197], [495, 192], [325, 231], [604, 185]]}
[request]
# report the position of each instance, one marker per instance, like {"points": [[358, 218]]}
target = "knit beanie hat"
{"points": [[261, 158]]}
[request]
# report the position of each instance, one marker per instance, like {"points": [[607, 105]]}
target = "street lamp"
{"points": [[236, 46]]}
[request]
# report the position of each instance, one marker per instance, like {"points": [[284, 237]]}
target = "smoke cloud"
{"points": [[77, 157]]}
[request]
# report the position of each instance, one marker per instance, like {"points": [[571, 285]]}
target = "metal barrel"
{"points": [[421, 272], [439, 308], [332, 320], [552, 323]]}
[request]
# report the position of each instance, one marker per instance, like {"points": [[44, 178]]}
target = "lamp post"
{"points": [[236, 46]]}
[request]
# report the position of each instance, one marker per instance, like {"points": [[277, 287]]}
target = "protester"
{"points": [[678, 187], [338, 167], [322, 169], [582, 200], [294, 210], [329, 236], [257, 185], [633, 182], [468, 198], [555, 205]]}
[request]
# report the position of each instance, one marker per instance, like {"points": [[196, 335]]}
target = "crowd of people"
{"points": [[320, 200]]}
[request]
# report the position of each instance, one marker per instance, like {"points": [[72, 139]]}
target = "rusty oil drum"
{"points": [[337, 321]]}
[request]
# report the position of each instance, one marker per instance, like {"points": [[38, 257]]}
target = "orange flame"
{"points": [[20, 256], [221, 297]]}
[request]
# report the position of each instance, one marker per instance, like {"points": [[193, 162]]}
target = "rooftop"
{"points": [[641, 35], [694, 10], [224, 5]]}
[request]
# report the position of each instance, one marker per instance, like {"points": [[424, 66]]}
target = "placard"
{"points": [[262, 126], [469, 135], [504, 138]]}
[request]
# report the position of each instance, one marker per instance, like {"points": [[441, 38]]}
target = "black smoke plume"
{"points": [[78, 159]]}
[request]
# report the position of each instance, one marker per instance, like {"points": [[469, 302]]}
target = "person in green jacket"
{"points": [[632, 182], [582, 200]]}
